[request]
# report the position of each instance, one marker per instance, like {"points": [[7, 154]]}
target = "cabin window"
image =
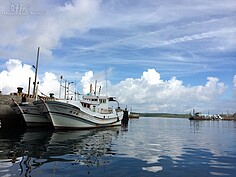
{"points": [[102, 100]]}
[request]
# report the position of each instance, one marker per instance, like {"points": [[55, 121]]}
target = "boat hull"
{"points": [[67, 116], [36, 120], [63, 121], [31, 115]]}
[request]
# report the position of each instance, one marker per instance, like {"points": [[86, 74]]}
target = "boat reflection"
{"points": [[36, 148]]}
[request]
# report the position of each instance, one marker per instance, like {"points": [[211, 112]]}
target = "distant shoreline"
{"points": [[167, 115]]}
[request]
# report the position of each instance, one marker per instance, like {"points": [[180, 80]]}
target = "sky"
{"points": [[153, 55]]}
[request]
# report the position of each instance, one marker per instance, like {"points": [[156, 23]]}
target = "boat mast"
{"points": [[60, 87], [36, 73], [106, 78]]}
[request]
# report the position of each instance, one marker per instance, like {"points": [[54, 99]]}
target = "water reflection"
{"points": [[171, 146], [33, 149], [194, 162], [146, 147]]}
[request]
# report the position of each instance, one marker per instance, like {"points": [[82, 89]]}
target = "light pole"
{"points": [[36, 73], [60, 87], [69, 89]]}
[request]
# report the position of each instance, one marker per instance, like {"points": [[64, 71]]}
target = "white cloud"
{"points": [[200, 36], [59, 21], [234, 80], [151, 76], [90, 77], [234, 89], [173, 24], [86, 81], [153, 94], [17, 75], [44, 30], [145, 24], [149, 93], [50, 84]]}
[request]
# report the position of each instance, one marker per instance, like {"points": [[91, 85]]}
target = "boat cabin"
{"points": [[98, 103]]}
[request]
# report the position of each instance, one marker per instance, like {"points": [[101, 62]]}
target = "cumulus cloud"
{"points": [[152, 77], [90, 77], [86, 81], [50, 84], [156, 95], [148, 93], [17, 75]]}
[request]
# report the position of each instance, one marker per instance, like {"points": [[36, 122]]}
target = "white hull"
{"points": [[31, 115], [68, 116]]}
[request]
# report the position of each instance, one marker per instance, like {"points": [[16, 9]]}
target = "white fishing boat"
{"points": [[31, 114], [92, 111]]}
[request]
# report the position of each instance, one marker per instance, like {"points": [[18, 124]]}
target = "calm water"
{"points": [[146, 147]]}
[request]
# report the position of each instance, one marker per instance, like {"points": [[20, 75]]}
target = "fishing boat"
{"points": [[199, 116], [31, 114], [90, 111]]}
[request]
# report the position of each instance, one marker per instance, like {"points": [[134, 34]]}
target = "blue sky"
{"points": [[187, 40]]}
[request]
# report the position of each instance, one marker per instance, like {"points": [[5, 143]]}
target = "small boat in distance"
{"points": [[200, 116], [134, 116], [90, 111]]}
